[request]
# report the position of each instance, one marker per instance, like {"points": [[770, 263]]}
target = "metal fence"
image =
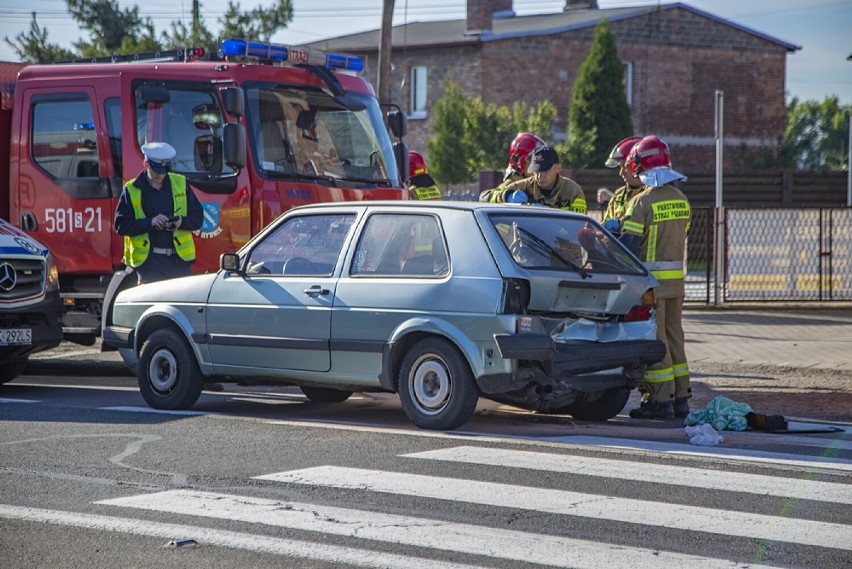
{"points": [[771, 255]]}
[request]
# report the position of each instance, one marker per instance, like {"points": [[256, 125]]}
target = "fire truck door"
{"points": [[63, 187]]}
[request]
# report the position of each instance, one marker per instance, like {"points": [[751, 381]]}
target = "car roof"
{"points": [[435, 204]]}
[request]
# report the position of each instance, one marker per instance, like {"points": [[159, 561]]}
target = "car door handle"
{"points": [[316, 290]]}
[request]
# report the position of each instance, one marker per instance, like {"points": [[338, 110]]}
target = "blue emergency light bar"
{"points": [[290, 54]]}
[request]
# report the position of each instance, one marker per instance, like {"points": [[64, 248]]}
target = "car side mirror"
{"points": [[229, 262]]}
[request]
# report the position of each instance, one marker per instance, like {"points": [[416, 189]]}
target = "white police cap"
{"points": [[158, 151], [159, 155]]}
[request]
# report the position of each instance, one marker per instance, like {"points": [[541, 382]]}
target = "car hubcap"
{"points": [[163, 370], [430, 385]]}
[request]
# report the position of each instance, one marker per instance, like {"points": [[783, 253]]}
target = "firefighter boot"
{"points": [[653, 410], [681, 407]]}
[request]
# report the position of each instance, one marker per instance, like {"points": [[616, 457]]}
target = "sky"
{"points": [[818, 70]]}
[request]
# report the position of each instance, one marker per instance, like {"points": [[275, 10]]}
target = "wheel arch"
{"points": [[414, 330], [162, 316]]}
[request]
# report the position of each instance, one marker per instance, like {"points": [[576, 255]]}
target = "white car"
{"points": [[441, 302]]}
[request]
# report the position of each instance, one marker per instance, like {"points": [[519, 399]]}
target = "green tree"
{"points": [[449, 149], [33, 46], [490, 129], [598, 115], [488, 132], [816, 136], [108, 25], [261, 23]]}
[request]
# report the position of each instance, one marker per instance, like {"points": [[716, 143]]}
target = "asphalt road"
{"points": [[255, 477]]}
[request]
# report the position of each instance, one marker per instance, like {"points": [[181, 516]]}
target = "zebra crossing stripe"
{"points": [[627, 470], [419, 532], [649, 513], [250, 542]]}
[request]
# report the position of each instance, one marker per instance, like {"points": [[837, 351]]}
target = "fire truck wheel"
{"points": [[168, 374]]}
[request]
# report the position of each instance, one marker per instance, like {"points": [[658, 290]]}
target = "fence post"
{"points": [[718, 250]]}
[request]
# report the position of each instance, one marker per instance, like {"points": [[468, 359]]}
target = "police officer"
{"points": [[617, 206], [655, 226], [520, 153], [420, 182], [546, 186], [156, 214]]}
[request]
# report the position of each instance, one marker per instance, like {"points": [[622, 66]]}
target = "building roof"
{"points": [[453, 32]]}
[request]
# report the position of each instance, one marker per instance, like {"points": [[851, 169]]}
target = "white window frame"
{"points": [[419, 91], [628, 83]]}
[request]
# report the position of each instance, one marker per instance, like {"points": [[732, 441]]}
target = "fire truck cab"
{"points": [[255, 135]]}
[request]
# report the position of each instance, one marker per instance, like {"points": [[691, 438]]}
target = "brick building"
{"points": [[675, 58]]}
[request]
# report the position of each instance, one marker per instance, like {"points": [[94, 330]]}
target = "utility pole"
{"points": [[386, 42]]}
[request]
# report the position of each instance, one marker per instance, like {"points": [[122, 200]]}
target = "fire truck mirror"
{"points": [[235, 146], [398, 124], [234, 101]]}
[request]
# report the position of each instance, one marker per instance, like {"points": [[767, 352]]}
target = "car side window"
{"points": [[401, 245], [307, 245]]}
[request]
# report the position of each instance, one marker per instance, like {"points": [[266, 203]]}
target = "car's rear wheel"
{"points": [[436, 386], [605, 407], [168, 374], [325, 395], [11, 370]]}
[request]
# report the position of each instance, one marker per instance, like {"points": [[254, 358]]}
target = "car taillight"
{"points": [[642, 312], [516, 296]]}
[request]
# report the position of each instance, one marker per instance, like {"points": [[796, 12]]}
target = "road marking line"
{"points": [[236, 540], [65, 355], [418, 532], [634, 470], [739, 454], [11, 400], [690, 518]]}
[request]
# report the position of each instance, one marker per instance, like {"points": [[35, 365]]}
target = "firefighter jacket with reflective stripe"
{"points": [[137, 247], [617, 207], [423, 187], [661, 217], [566, 194]]}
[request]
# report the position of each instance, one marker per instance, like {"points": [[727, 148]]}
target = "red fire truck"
{"points": [[258, 129]]}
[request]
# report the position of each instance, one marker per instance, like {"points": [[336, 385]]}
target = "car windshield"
{"points": [[304, 133], [556, 242]]}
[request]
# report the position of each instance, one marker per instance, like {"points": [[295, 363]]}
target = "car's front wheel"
{"points": [[168, 374], [605, 407], [436, 387]]}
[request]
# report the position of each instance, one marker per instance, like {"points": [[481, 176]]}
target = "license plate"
{"points": [[16, 337]]}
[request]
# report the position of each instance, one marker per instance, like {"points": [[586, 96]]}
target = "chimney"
{"points": [[480, 13], [580, 5]]}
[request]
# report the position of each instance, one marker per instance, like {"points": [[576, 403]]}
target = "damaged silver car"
{"points": [[440, 302]]}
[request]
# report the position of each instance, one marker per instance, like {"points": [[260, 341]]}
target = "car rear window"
{"points": [[556, 242]]}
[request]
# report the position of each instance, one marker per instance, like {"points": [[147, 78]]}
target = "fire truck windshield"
{"points": [[303, 132], [191, 120]]}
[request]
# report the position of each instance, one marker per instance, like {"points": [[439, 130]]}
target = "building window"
{"points": [[418, 92], [628, 83]]}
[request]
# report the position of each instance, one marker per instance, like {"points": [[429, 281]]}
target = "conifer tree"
{"points": [[598, 116]]}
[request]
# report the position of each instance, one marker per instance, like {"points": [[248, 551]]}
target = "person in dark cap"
{"points": [[156, 215], [546, 186]]}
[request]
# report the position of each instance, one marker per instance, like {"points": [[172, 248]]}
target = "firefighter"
{"points": [[520, 152], [615, 210], [156, 214], [545, 187], [420, 183], [655, 227]]}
